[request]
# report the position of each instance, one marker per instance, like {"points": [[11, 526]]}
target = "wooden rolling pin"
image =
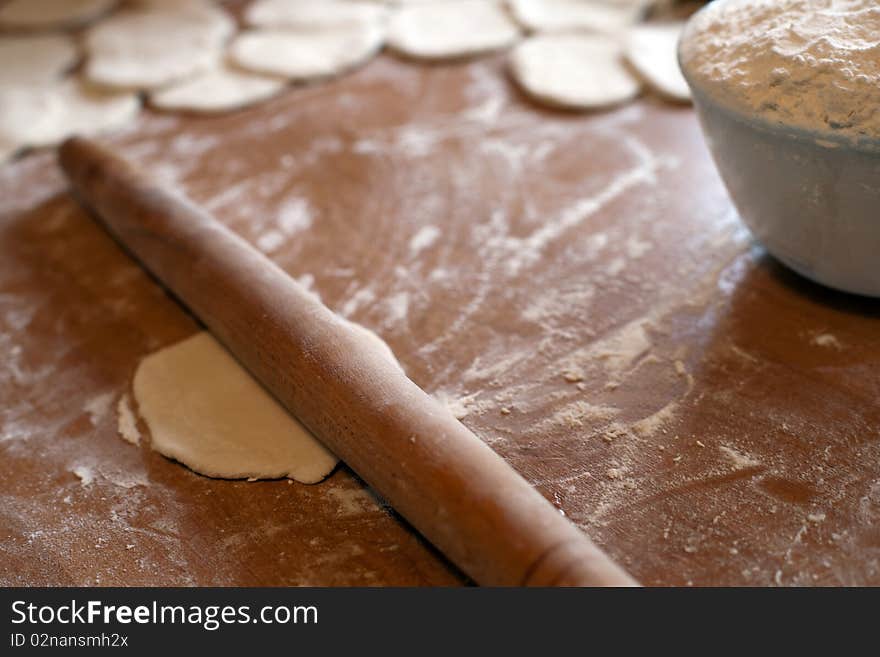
{"points": [[444, 480]]}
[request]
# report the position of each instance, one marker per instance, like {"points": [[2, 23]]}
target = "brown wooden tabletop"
{"points": [[577, 287]]}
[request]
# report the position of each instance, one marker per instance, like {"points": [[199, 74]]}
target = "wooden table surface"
{"points": [[577, 287]]}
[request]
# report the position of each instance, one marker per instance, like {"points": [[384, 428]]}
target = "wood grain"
{"points": [[637, 263], [455, 490]]}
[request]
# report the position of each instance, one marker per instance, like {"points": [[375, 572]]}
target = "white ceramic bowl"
{"points": [[811, 198]]}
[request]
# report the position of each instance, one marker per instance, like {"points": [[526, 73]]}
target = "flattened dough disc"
{"points": [[651, 49], [451, 28], [574, 71], [580, 15], [307, 53], [204, 410], [154, 46], [320, 14]]}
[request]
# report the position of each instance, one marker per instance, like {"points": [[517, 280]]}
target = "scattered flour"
{"points": [[353, 501], [615, 473], [650, 425], [308, 282], [739, 460], [127, 424], [423, 239], [270, 241], [463, 405], [616, 353], [85, 473], [575, 415], [397, 306], [362, 297], [295, 216], [524, 252], [636, 248], [827, 340], [98, 406]]}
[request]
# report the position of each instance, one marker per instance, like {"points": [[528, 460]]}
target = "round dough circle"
{"points": [[450, 29], [29, 116], [569, 15], [35, 14], [320, 14], [217, 90], [30, 60], [574, 71], [46, 115], [306, 54], [204, 410], [152, 47], [652, 50]]}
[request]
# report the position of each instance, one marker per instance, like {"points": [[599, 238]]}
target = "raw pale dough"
{"points": [[569, 15], [651, 49], [151, 47], [450, 28], [306, 14], [309, 53], [576, 71], [217, 90], [26, 115], [204, 410], [7, 150], [51, 13], [87, 110], [31, 60], [46, 115]]}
